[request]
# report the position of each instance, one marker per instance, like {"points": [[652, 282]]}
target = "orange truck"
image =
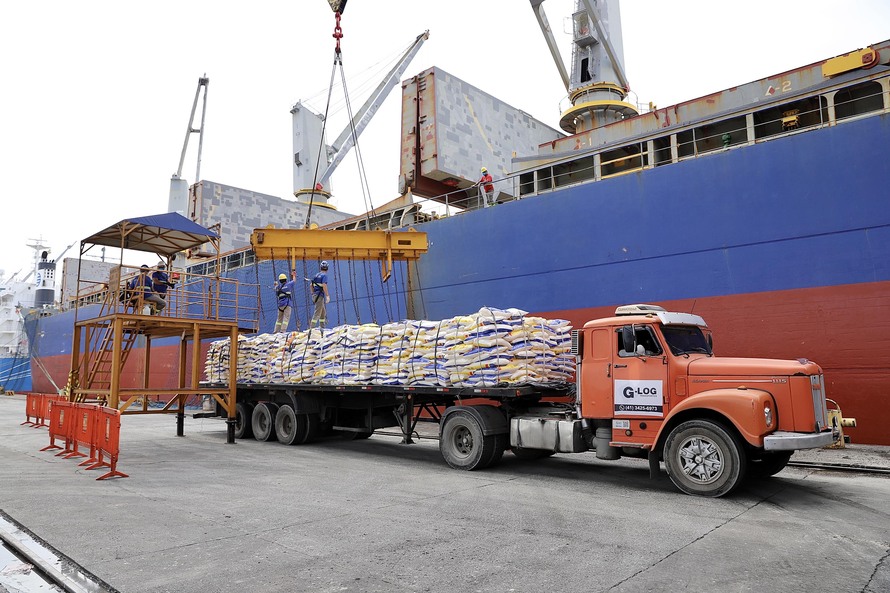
{"points": [[647, 385]]}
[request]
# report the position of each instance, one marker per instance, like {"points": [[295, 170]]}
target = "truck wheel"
{"points": [[769, 464], [462, 443], [291, 428], [263, 421], [529, 454], [704, 458], [243, 412]]}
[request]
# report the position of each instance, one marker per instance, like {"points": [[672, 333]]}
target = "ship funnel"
{"points": [[598, 86]]}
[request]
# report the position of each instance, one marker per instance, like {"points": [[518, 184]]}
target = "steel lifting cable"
{"points": [[366, 194], [369, 282], [418, 290], [324, 123], [352, 288], [387, 298], [339, 306], [307, 294]]}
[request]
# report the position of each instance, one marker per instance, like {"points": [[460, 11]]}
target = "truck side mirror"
{"points": [[628, 339], [711, 343]]}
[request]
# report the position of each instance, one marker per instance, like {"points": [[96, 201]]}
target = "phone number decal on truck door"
{"points": [[639, 398]]}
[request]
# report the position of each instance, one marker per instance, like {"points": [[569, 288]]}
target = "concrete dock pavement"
{"points": [[197, 514]]}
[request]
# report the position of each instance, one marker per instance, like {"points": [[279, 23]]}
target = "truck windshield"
{"points": [[683, 339]]}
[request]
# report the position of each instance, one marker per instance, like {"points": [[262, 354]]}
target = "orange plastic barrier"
{"points": [[82, 431], [32, 409], [37, 407], [107, 440], [61, 414]]}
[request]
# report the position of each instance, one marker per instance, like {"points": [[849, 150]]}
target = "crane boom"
{"points": [[202, 82], [347, 138], [551, 40]]}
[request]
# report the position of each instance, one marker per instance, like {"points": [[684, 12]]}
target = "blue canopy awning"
{"points": [[164, 234]]}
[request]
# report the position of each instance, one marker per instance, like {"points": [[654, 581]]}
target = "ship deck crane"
{"points": [[178, 186]]}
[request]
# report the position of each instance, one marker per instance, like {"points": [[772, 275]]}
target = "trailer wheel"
{"points": [[291, 428], [704, 458], [243, 412], [313, 427], [530, 454], [769, 464], [463, 445], [498, 444], [263, 421]]}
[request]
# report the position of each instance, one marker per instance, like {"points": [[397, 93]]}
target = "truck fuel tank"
{"points": [[548, 433]]}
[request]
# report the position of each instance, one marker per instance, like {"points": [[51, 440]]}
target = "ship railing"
{"points": [[190, 296], [795, 114]]}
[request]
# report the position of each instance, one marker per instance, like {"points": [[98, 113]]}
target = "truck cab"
{"points": [[650, 385]]}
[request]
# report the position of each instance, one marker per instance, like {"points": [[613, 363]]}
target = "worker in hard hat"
{"points": [[486, 188], [320, 296], [284, 292]]}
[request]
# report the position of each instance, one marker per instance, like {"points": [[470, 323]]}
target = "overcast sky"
{"points": [[96, 94]]}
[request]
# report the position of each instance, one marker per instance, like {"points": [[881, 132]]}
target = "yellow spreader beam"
{"points": [[383, 246]]}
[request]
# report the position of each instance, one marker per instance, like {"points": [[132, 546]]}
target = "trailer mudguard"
{"points": [[742, 407], [490, 418]]}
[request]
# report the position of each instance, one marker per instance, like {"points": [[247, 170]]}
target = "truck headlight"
{"points": [[768, 415]]}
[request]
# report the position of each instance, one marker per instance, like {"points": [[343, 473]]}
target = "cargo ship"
{"points": [[758, 207]]}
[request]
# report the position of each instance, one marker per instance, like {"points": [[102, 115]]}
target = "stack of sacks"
{"points": [[490, 348], [393, 353], [259, 358], [300, 355], [347, 355], [218, 356], [425, 353]]}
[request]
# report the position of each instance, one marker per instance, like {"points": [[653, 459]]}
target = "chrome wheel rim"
{"points": [[701, 460]]}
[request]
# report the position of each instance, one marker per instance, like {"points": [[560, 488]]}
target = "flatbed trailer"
{"points": [[295, 413]]}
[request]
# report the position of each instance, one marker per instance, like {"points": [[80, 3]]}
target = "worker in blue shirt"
{"points": [[143, 284], [284, 292], [320, 296], [159, 283]]}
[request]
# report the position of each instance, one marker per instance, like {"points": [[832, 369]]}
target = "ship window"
{"points": [[787, 117], [575, 171], [858, 99], [662, 148], [721, 134], [526, 184], [685, 144], [623, 160], [545, 179]]}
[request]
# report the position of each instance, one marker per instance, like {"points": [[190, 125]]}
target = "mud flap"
{"points": [[654, 467]]}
